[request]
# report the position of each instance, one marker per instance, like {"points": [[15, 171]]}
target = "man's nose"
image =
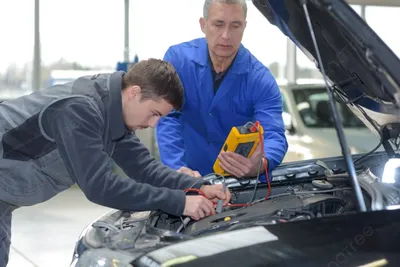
{"points": [[226, 33], [153, 122]]}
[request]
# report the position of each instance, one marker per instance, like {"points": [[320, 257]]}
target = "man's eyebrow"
{"points": [[232, 22], [157, 112], [237, 22]]}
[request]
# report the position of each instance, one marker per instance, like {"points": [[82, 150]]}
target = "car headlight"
{"points": [[391, 171], [103, 258]]}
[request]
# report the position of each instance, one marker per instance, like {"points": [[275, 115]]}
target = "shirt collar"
{"points": [[116, 120], [239, 65], [222, 73]]}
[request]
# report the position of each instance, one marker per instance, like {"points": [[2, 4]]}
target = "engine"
{"points": [[297, 193], [327, 196], [286, 203]]}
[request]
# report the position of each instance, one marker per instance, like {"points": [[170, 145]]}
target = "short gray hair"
{"points": [[208, 3]]}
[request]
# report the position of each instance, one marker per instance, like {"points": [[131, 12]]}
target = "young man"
{"points": [[68, 134], [225, 86]]}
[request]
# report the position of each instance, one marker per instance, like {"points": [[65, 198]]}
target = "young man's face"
{"points": [[224, 28], [141, 114]]}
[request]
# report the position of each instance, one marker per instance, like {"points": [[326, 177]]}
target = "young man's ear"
{"points": [[134, 92]]}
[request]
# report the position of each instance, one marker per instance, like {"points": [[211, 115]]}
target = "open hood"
{"points": [[363, 71]]}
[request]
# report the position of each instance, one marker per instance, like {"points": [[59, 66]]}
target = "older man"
{"points": [[225, 86]]}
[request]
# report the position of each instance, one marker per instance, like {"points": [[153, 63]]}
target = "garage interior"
{"points": [[44, 235]]}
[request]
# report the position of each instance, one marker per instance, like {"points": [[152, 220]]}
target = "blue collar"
{"points": [[239, 66]]}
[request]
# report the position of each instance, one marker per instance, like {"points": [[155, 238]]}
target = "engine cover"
{"points": [[259, 211]]}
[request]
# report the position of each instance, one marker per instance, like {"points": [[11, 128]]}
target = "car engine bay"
{"points": [[309, 190], [329, 195], [288, 203]]}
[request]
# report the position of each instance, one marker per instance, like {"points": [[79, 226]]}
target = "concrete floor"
{"points": [[44, 235]]}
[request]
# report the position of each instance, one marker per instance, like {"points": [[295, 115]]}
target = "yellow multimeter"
{"points": [[242, 140]]}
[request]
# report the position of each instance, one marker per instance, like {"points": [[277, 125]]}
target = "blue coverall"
{"points": [[248, 92]]}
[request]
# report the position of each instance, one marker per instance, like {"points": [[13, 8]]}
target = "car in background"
{"points": [[310, 129], [331, 211]]}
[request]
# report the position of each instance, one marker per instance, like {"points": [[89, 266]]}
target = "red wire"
{"points": [[265, 165], [204, 195], [195, 190]]}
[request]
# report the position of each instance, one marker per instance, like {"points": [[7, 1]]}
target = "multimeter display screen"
{"points": [[244, 148]]}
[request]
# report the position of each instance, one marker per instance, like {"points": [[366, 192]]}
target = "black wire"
{"points": [[209, 176], [352, 102], [341, 95], [256, 182], [254, 190], [370, 152], [258, 176]]}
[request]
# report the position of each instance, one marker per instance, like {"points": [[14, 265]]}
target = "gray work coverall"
{"points": [[68, 134]]}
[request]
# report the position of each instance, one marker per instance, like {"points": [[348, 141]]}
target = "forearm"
{"points": [[111, 190], [275, 147]]}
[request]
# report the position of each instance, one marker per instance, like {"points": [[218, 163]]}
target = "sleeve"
{"points": [[144, 168], [268, 111], [76, 127], [169, 129]]}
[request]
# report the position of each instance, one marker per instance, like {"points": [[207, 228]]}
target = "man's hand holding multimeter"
{"points": [[240, 157], [241, 166], [241, 153]]}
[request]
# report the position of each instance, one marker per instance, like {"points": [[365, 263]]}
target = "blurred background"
{"points": [[45, 42]]}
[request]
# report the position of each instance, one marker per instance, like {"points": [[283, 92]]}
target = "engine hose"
{"points": [[376, 196]]}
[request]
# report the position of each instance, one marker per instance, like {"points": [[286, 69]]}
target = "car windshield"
{"points": [[314, 110]]}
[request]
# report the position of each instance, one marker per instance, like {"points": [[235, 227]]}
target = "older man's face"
{"points": [[224, 28]]}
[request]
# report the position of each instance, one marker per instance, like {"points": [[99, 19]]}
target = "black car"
{"points": [[340, 211]]}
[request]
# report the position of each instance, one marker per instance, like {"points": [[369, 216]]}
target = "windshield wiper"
{"points": [[339, 129]]}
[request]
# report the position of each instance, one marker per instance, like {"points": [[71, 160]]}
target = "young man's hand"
{"points": [[190, 172], [239, 166], [198, 207], [215, 193]]}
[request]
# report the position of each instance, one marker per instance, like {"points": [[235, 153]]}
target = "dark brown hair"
{"points": [[157, 79]]}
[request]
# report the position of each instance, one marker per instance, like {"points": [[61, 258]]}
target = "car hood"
{"points": [[352, 240], [362, 68]]}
